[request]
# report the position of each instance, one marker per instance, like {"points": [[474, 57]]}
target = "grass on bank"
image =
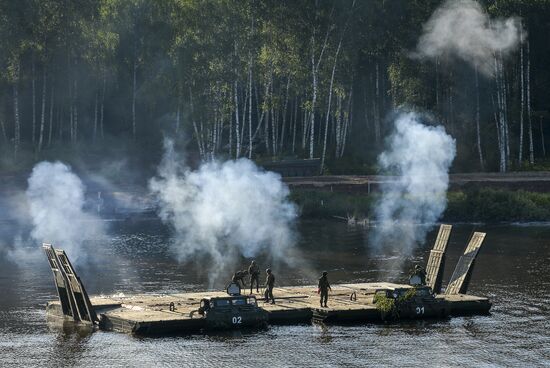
{"points": [[475, 205]]}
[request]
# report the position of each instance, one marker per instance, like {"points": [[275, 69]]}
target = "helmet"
{"points": [[325, 273], [253, 262], [268, 270]]}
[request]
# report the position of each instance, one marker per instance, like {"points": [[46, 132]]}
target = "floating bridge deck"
{"points": [[348, 303], [151, 314]]}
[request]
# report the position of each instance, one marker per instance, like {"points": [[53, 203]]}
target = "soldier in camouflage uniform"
{"points": [[269, 284], [254, 272], [238, 278], [324, 287], [419, 271]]}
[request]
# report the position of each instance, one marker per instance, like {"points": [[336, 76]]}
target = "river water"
{"points": [[513, 270]]}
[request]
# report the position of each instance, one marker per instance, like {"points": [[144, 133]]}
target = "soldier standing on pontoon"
{"points": [[254, 272], [269, 284], [324, 287]]}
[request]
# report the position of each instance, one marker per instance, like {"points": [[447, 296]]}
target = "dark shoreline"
{"points": [[472, 205]]}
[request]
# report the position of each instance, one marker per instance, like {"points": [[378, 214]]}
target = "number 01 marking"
{"points": [[237, 320], [419, 310]]}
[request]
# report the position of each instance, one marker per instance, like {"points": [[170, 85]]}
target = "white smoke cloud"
{"points": [[56, 205], [223, 210], [420, 156], [462, 29]]}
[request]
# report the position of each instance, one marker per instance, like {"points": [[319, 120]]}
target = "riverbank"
{"points": [[469, 205], [532, 181], [473, 197]]}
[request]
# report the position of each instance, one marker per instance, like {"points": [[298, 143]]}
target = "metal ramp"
{"points": [[436, 262], [72, 295], [461, 275]]}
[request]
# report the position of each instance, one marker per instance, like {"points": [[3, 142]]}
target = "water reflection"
{"points": [[512, 269]]}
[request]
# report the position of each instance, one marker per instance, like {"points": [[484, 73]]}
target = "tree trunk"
{"points": [[348, 122], [265, 111], [197, 136], [215, 134], [478, 132], [329, 104], [273, 120], [75, 112], [295, 119], [237, 125], [506, 125], [244, 96], [437, 83], [451, 107], [94, 137], [178, 116], [315, 74], [134, 99], [33, 101], [522, 109], [338, 134], [542, 138], [285, 110], [250, 106], [375, 107], [17, 124], [230, 130], [71, 124], [60, 125], [313, 102], [101, 110], [365, 107], [50, 128], [305, 121], [501, 121], [531, 147], [43, 113]]}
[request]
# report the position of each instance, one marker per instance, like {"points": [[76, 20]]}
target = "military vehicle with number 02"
{"points": [[233, 311]]}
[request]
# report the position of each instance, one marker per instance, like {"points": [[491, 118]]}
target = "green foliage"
{"points": [[408, 80], [490, 205], [384, 304], [190, 58], [388, 306], [411, 293], [540, 165], [484, 205]]}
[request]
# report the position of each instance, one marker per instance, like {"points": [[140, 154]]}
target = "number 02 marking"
{"points": [[237, 320], [419, 310]]}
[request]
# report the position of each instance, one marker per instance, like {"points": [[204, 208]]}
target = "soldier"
{"points": [[238, 278], [324, 287], [254, 272], [419, 271], [269, 283]]}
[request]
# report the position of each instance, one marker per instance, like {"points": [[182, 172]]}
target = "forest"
{"points": [[267, 80]]}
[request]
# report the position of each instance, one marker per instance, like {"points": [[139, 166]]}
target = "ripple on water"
{"points": [[515, 334]]}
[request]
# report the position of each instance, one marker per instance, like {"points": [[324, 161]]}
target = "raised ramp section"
{"points": [[436, 262], [65, 300], [461, 275], [72, 296]]}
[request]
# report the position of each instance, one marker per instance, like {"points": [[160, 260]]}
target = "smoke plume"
{"points": [[223, 210], [420, 157], [462, 29], [56, 203]]}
